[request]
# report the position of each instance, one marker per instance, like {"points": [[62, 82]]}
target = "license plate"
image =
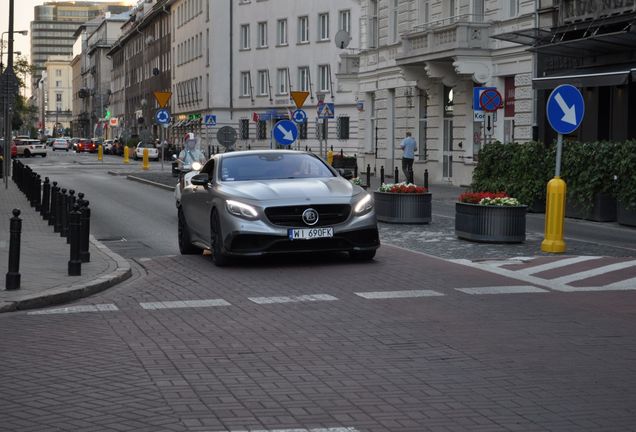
{"points": [[309, 233]]}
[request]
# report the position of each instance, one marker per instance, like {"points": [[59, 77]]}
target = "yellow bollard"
{"points": [[126, 155], [554, 216], [330, 157], [100, 152], [145, 165]]}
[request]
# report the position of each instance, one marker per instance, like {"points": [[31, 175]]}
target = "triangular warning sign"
{"points": [[299, 98], [162, 98]]}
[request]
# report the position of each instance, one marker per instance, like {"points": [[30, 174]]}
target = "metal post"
{"points": [[37, 192], [85, 229], [7, 106], [75, 263], [12, 281], [381, 174], [69, 205], [52, 209], [46, 196], [426, 178], [63, 214], [368, 175], [559, 149]]}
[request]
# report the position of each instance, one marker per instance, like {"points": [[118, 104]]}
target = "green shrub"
{"points": [[625, 164]]}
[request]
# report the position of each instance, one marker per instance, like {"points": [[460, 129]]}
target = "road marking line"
{"points": [[181, 304], [594, 272], [333, 429], [376, 295], [518, 289], [556, 264], [293, 299], [109, 307], [627, 284]]}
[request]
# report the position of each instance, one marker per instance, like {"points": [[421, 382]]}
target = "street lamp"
{"points": [[22, 32]]}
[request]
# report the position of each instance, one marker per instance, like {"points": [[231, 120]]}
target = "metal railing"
{"points": [[463, 18]]}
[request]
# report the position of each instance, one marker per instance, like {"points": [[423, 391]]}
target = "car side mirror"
{"points": [[200, 180]]}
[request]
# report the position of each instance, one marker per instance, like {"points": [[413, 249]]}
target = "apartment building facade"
{"points": [[420, 63], [57, 99]]}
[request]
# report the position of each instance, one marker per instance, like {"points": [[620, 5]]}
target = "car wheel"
{"points": [[53, 149], [185, 245], [67, 150], [44, 155], [366, 255], [27, 153], [220, 259]]}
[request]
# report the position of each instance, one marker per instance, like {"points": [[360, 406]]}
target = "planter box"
{"points": [[490, 224], [625, 216], [603, 209], [407, 208]]}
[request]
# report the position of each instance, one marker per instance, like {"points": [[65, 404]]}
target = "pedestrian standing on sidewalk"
{"points": [[408, 145]]}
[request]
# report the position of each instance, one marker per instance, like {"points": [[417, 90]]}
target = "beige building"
{"points": [[57, 103], [419, 65]]}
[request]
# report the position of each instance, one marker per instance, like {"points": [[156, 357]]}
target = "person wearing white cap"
{"points": [[191, 152]]}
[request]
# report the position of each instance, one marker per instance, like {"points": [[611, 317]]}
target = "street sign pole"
{"points": [[7, 105]]}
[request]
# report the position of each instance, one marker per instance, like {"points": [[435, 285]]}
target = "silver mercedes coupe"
{"points": [[252, 203]]}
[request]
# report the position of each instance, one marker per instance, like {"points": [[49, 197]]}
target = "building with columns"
{"points": [[420, 63]]}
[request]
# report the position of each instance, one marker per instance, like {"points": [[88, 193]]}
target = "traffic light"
{"points": [[107, 114]]}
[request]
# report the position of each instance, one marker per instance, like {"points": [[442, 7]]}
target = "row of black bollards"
{"points": [[67, 214]]}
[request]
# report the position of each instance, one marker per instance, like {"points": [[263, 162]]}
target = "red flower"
{"points": [[475, 197]]}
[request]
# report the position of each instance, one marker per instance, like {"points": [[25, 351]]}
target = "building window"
{"points": [[424, 11], [513, 8], [303, 78], [323, 26], [281, 81], [262, 83], [509, 109], [373, 24], [58, 72], [244, 128], [393, 20], [261, 130], [342, 127], [245, 36], [344, 20], [262, 35], [58, 97], [245, 83], [281, 32], [303, 29], [323, 78], [58, 83]]}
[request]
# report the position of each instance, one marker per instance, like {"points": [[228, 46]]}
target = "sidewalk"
{"points": [[44, 257]]}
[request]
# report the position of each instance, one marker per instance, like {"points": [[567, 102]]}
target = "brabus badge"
{"points": [[310, 217]]}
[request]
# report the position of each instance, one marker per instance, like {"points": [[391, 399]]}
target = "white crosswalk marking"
{"points": [[520, 289], [180, 304], [376, 295], [332, 429], [77, 309], [594, 272], [293, 299], [556, 264]]}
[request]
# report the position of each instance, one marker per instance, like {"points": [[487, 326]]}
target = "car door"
{"points": [[198, 204]]}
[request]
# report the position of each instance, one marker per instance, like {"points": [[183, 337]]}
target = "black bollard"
{"points": [[426, 178], [37, 193], [397, 173], [12, 281], [355, 170], [69, 205], [85, 230], [382, 174], [63, 220], [54, 191], [368, 175], [341, 152], [46, 197], [75, 263], [306, 148]]}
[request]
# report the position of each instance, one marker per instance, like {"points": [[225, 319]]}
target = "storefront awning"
{"points": [[596, 77]]}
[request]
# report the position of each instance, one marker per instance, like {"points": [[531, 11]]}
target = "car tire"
{"points": [[220, 259], [366, 255], [53, 149], [185, 245], [26, 154], [44, 155]]}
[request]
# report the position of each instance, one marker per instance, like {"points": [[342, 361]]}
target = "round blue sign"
{"points": [[565, 109], [162, 116], [285, 132], [490, 100], [299, 116]]}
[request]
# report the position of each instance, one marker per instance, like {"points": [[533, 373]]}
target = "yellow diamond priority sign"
{"points": [[162, 98], [299, 98]]}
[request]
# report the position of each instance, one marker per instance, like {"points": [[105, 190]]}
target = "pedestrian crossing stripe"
{"points": [[326, 110]]}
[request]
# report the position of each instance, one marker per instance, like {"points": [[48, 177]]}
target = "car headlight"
{"points": [[241, 210], [196, 166], [364, 205]]}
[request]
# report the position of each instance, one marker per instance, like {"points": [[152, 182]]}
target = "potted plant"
{"points": [[490, 218], [625, 161], [403, 203]]}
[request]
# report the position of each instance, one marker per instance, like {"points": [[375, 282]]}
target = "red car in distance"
{"points": [[86, 145]]}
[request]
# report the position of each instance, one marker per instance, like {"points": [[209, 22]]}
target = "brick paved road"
{"points": [[318, 352]]}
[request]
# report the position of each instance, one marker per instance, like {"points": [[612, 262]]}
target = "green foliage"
{"points": [[520, 170], [132, 142], [625, 164]]}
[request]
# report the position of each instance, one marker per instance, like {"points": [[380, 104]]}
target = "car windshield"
{"points": [[145, 145], [270, 166]]}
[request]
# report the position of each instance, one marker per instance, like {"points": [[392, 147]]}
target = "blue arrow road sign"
{"points": [[299, 116], [285, 132], [210, 120], [162, 116], [565, 109]]}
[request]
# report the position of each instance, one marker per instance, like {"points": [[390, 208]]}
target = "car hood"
{"points": [[292, 189]]}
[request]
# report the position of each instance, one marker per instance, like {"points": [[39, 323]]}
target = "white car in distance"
{"points": [[60, 144]]}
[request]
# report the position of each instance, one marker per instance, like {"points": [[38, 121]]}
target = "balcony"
{"points": [[445, 38]]}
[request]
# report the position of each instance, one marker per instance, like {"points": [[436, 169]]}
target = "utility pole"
{"points": [[7, 106]]}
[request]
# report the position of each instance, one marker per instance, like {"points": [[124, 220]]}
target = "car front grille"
{"points": [[291, 216]]}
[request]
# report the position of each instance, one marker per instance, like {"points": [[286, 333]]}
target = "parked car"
{"points": [[30, 147], [108, 147], [60, 144], [50, 141], [86, 145], [251, 203], [153, 153]]}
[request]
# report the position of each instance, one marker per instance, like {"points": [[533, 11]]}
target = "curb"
{"points": [[150, 182], [66, 294]]}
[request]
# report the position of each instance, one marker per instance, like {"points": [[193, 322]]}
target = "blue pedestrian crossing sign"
{"points": [[210, 120], [285, 132], [162, 116], [565, 109], [299, 116], [326, 110]]}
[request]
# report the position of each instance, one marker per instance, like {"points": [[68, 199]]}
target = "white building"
{"points": [[57, 85], [420, 64]]}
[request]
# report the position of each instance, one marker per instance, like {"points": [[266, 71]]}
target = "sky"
{"points": [[22, 21]]}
